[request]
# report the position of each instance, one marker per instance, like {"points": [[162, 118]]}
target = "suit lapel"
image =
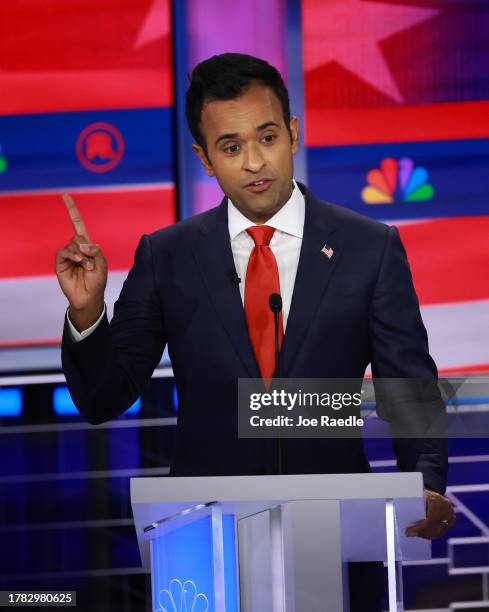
{"points": [[214, 257], [314, 272]]}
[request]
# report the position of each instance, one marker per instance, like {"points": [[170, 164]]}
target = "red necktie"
{"points": [[262, 279]]}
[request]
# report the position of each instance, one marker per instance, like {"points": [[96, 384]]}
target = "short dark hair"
{"points": [[226, 77]]}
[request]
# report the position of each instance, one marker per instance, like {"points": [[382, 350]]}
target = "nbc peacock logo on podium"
{"points": [[182, 597], [397, 181]]}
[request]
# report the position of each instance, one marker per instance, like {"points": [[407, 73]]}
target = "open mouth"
{"points": [[259, 186]]}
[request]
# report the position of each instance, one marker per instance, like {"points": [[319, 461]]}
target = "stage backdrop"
{"points": [[87, 108], [397, 128]]}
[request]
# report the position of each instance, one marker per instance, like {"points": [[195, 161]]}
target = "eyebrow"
{"points": [[259, 128]]}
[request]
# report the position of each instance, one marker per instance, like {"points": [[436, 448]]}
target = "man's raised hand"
{"points": [[82, 272]]}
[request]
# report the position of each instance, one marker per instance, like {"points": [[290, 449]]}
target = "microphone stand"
{"points": [[277, 360], [275, 303]]}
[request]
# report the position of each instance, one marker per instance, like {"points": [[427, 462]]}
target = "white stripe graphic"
{"points": [[458, 333], [36, 306]]}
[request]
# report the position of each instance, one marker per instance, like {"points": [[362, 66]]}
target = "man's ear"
{"points": [[204, 160], [294, 132]]}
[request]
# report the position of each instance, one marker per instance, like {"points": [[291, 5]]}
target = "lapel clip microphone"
{"points": [[233, 277]]}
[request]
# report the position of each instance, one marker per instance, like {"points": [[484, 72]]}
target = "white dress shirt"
{"points": [[285, 244], [76, 335]]}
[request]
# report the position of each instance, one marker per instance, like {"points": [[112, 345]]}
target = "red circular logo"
{"points": [[100, 147]]}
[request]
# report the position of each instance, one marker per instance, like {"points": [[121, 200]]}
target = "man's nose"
{"points": [[253, 159]]}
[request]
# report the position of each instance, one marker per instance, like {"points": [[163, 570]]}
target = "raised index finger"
{"points": [[76, 219]]}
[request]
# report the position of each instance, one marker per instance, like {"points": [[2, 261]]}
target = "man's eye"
{"points": [[269, 138], [231, 148]]}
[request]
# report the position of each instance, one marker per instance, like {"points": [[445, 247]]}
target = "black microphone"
{"points": [[233, 276], [275, 303]]}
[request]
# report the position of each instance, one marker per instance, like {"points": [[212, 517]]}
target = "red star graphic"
{"points": [[156, 25], [349, 31]]}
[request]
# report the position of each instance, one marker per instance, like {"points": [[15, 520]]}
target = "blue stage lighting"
{"points": [[175, 398], [62, 402], [135, 408], [10, 402]]}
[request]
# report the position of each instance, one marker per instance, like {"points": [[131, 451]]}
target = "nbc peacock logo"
{"points": [[182, 597], [397, 181]]}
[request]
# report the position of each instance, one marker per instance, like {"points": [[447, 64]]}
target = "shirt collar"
{"points": [[289, 219]]}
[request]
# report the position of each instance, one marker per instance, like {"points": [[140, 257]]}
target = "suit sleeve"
{"points": [[405, 375], [107, 370]]}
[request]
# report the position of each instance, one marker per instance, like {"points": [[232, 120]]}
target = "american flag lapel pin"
{"points": [[328, 251]]}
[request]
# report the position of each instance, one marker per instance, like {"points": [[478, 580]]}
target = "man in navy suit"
{"points": [[347, 294]]}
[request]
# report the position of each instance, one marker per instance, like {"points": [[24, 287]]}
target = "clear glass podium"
{"points": [[273, 543]]}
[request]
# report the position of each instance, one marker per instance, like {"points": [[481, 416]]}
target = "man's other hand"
{"points": [[440, 516]]}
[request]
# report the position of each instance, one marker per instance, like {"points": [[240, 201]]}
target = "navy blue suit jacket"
{"points": [[358, 307]]}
